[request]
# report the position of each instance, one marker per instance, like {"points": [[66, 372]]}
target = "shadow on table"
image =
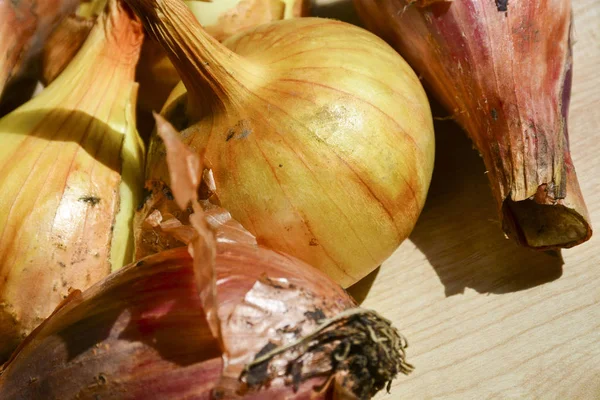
{"points": [[459, 230], [360, 289]]}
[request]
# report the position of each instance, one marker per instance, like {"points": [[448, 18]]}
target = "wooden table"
{"points": [[484, 317]]}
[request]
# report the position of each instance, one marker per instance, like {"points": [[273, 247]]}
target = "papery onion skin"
{"points": [[503, 69], [319, 135], [24, 26], [142, 334], [71, 175], [63, 44], [139, 334]]}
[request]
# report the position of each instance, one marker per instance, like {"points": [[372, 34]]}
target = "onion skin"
{"points": [[139, 334], [24, 27], [506, 78], [142, 332], [317, 153], [63, 44], [222, 20], [71, 175]]}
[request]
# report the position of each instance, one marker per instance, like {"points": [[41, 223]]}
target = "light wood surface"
{"points": [[487, 319]]}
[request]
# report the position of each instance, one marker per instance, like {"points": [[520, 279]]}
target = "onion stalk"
{"points": [[221, 19], [503, 69], [319, 150], [71, 175]]}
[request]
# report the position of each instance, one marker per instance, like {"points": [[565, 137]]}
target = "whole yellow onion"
{"points": [[318, 134]]}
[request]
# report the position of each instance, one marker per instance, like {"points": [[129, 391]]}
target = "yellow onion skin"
{"points": [[24, 27], [141, 333], [71, 173], [319, 135], [506, 78]]}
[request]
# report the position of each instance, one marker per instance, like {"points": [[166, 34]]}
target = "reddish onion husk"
{"points": [[285, 329], [24, 27], [315, 144], [503, 69], [62, 45]]}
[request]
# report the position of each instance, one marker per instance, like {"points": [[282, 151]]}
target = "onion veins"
{"points": [[504, 71], [71, 175], [315, 142]]}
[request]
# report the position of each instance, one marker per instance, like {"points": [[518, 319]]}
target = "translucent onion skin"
{"points": [[503, 69], [71, 173], [142, 333], [319, 135]]}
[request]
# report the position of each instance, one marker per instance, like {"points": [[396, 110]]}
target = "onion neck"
{"points": [[213, 75]]}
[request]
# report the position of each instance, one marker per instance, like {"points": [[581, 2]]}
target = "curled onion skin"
{"points": [[317, 145], [71, 176], [503, 69]]}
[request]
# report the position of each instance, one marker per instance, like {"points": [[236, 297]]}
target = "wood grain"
{"points": [[485, 318]]}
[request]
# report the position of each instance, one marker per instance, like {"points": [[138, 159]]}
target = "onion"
{"points": [[224, 18], [316, 143], [71, 176], [504, 70], [286, 330]]}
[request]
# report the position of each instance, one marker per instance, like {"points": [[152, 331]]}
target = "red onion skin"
{"points": [[142, 333], [505, 77], [24, 27]]}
